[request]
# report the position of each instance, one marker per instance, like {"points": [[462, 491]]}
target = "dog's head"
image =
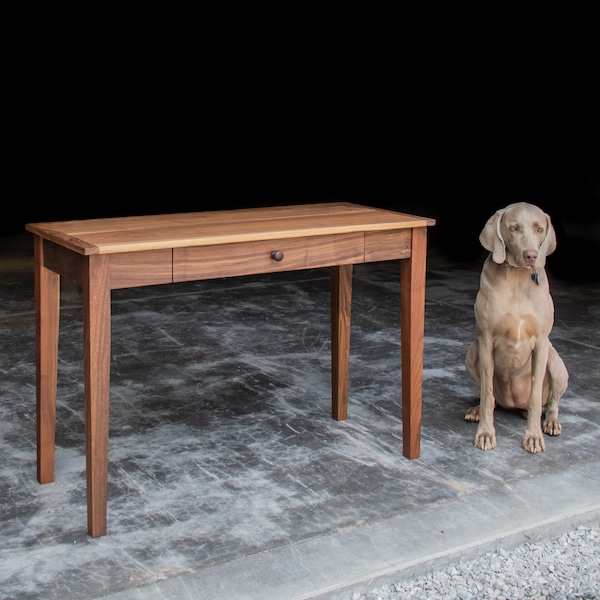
{"points": [[520, 234]]}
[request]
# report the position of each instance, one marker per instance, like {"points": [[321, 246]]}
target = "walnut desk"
{"points": [[101, 255]]}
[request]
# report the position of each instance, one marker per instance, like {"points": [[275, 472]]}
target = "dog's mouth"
{"points": [[527, 265], [529, 259]]}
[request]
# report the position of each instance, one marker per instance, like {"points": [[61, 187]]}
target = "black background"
{"points": [[135, 125]]}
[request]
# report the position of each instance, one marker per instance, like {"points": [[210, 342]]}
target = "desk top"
{"points": [[179, 230]]}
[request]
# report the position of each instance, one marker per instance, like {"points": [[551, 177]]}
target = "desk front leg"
{"points": [[412, 324], [341, 308], [47, 307], [96, 359]]}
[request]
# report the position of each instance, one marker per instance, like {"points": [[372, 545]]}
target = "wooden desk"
{"points": [[106, 254]]}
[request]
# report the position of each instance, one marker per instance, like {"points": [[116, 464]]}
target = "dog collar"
{"points": [[535, 275]]}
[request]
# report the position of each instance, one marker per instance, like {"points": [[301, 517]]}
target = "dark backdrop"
{"points": [[438, 156]]}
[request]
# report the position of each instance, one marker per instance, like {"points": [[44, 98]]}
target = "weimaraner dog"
{"points": [[512, 361]]}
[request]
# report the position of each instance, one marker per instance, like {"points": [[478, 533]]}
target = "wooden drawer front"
{"points": [[135, 269], [246, 258], [387, 245]]}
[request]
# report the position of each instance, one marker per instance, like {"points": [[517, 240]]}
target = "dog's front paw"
{"points": [[552, 426], [534, 442], [485, 440]]}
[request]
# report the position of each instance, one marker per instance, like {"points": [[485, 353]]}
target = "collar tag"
{"points": [[535, 276]]}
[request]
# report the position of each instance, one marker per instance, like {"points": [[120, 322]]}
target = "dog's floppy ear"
{"points": [[491, 237], [549, 243]]}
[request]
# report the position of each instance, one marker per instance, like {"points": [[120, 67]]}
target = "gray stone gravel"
{"points": [[564, 568]]}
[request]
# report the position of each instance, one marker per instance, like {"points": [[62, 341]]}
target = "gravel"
{"points": [[564, 568]]}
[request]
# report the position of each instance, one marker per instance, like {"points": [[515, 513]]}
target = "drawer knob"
{"points": [[277, 255]]}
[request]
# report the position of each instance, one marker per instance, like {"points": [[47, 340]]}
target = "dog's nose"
{"points": [[530, 255]]}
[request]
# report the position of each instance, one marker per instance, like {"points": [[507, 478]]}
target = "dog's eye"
{"points": [[540, 230], [513, 228]]}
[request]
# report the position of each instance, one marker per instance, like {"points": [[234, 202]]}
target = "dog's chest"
{"points": [[514, 306]]}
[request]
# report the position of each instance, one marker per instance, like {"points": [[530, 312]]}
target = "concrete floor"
{"points": [[229, 479]]}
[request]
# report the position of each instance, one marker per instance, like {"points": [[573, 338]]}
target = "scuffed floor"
{"points": [[221, 440]]}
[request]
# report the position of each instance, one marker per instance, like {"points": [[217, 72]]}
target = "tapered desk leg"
{"points": [[47, 306], [341, 306], [96, 335], [412, 324]]}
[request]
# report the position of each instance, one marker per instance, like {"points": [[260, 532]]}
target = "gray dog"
{"points": [[512, 361]]}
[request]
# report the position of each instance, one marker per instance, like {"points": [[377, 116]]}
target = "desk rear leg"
{"points": [[47, 306], [341, 308]]}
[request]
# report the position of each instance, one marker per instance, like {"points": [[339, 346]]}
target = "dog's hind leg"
{"points": [[472, 414]]}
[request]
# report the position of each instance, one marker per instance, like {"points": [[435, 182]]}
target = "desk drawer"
{"points": [[246, 258]]}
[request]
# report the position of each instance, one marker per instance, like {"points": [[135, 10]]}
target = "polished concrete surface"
{"points": [[229, 479]]}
